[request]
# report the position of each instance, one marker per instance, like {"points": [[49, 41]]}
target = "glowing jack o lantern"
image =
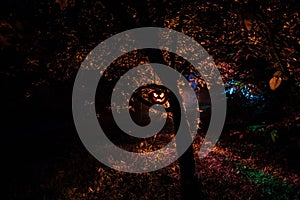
{"points": [[158, 97]]}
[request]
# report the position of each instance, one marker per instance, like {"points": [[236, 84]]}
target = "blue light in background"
{"points": [[235, 88]]}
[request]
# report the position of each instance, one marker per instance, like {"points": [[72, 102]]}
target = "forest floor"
{"points": [[245, 164]]}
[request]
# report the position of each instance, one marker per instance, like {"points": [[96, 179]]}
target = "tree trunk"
{"points": [[186, 161]]}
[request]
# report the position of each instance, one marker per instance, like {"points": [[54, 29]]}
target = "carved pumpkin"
{"points": [[158, 96]]}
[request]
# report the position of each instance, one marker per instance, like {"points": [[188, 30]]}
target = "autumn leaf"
{"points": [[275, 82], [277, 74], [248, 24], [62, 3]]}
